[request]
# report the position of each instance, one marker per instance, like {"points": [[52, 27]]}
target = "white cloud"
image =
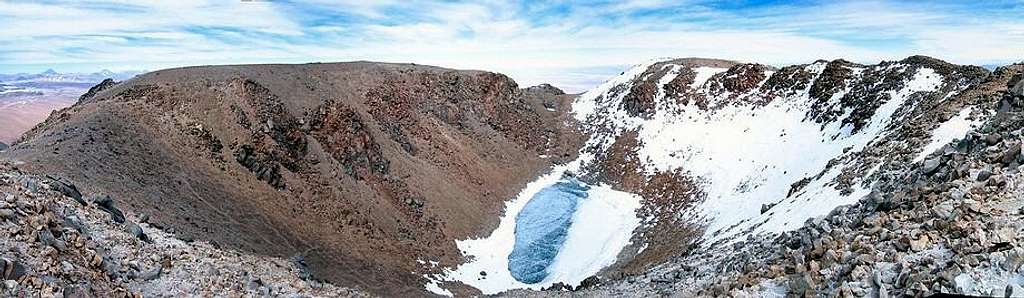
{"points": [[520, 40]]}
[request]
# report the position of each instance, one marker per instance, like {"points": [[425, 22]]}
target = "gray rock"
{"points": [[46, 237], [801, 285], [105, 203], [1011, 154], [931, 165], [944, 211], [30, 184], [78, 291], [985, 173], [110, 268], [75, 222], [6, 213], [66, 188], [210, 270], [254, 284], [12, 269], [1018, 89], [151, 274], [136, 231], [3, 146], [300, 263]]}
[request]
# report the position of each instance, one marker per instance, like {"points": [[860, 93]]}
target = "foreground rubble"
{"points": [[56, 241]]}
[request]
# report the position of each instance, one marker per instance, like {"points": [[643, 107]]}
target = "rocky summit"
{"points": [[684, 177]]}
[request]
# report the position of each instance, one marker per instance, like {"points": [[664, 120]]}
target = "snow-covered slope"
{"points": [[713, 151], [769, 148]]}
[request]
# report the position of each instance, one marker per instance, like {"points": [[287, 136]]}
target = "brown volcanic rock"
{"points": [[641, 97], [361, 167]]}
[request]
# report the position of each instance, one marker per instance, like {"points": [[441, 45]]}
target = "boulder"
{"points": [[105, 203], [46, 237], [993, 138], [151, 274], [1011, 154], [985, 173], [1018, 89], [12, 269], [136, 231], [931, 165], [66, 188]]}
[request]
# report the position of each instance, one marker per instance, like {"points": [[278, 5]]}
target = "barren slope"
{"points": [[361, 167]]}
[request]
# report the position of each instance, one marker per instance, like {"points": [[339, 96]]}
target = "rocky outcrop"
{"points": [[545, 88], [104, 85]]}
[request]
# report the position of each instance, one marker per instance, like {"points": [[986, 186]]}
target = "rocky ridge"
{"points": [[362, 167], [57, 241], [948, 221]]}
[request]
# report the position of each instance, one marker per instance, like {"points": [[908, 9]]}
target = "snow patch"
{"points": [[433, 287], [703, 74], [953, 129]]}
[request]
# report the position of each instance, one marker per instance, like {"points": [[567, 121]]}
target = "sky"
{"points": [[572, 44]]}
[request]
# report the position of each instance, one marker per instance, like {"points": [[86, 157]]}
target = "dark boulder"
{"points": [[1018, 89], [137, 231], [151, 274], [105, 203], [1011, 154], [985, 173], [589, 283], [931, 165], [12, 269], [66, 188], [47, 238]]}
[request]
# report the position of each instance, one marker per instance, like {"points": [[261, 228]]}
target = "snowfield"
{"points": [[749, 157]]}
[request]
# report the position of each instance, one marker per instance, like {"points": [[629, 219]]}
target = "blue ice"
{"points": [[541, 228]]}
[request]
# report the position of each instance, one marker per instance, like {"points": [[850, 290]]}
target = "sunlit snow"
{"points": [[748, 157], [948, 131]]}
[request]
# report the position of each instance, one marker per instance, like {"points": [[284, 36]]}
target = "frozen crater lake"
{"points": [[557, 229], [541, 229]]}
